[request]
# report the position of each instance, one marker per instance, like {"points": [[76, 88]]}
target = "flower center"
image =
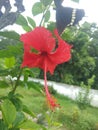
{"points": [[44, 53]]}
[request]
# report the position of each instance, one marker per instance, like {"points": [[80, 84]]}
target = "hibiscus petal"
{"points": [[32, 60], [63, 52], [40, 38], [51, 65], [45, 44], [29, 59]]}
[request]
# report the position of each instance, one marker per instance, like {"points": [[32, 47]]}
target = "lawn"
{"points": [[68, 117]]}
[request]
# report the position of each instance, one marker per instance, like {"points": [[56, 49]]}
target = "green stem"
{"points": [[42, 19], [44, 13], [17, 81]]}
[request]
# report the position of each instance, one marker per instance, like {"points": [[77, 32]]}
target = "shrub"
{"points": [[83, 98]]}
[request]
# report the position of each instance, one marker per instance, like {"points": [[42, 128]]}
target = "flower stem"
{"points": [[44, 13], [45, 78], [17, 81]]}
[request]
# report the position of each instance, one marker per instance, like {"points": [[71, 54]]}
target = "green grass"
{"points": [[69, 115]]}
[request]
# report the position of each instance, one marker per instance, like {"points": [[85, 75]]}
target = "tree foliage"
{"points": [[84, 54], [8, 17]]}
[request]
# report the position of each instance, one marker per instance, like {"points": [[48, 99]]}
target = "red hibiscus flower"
{"points": [[40, 51]]}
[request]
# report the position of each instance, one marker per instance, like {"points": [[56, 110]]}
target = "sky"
{"points": [[90, 7]]}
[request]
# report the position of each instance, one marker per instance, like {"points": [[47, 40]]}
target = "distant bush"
{"points": [[76, 120], [83, 98]]}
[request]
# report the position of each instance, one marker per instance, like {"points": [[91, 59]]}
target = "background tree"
{"points": [[82, 65], [93, 51], [7, 17]]}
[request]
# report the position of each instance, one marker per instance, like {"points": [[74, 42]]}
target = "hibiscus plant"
{"points": [[39, 47]]}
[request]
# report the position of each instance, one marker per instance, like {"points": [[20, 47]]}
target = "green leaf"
{"points": [[5, 42], [35, 86], [37, 8], [27, 28], [57, 124], [8, 112], [76, 1], [47, 16], [2, 125], [9, 62], [21, 20], [4, 72], [16, 101], [35, 72], [51, 26], [46, 2], [10, 35], [20, 117], [31, 22], [28, 124], [10, 51], [28, 111], [26, 73], [3, 84]]}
